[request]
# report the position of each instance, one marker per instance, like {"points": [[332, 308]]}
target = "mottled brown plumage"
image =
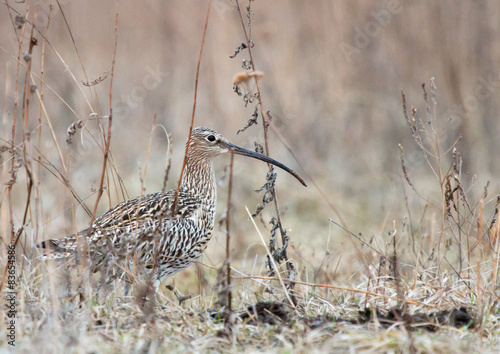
{"points": [[146, 231]]}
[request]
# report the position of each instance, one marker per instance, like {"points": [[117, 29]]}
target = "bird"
{"points": [[164, 232]]}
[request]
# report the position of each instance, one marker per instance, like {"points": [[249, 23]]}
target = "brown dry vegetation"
{"points": [[416, 186]]}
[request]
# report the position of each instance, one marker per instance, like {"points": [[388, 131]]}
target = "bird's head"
{"points": [[208, 143]]}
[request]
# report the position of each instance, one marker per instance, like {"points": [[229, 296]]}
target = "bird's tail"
{"points": [[54, 249], [60, 248]]}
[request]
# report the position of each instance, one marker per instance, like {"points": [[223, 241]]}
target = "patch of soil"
{"points": [[275, 313], [456, 318], [266, 312], [269, 312], [431, 322]]}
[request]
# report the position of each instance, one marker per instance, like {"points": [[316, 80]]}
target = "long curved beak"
{"points": [[242, 151]]}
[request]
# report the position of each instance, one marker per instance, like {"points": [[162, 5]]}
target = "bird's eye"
{"points": [[211, 138]]}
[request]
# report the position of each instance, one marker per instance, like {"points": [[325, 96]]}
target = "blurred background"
{"points": [[333, 75]]}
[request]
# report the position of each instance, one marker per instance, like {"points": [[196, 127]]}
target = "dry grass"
{"points": [[399, 212]]}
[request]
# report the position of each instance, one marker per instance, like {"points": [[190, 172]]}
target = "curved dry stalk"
{"points": [[110, 121], [265, 126], [228, 235], [176, 201]]}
